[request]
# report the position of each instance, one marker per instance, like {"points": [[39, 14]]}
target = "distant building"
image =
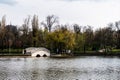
{"points": [[37, 52]]}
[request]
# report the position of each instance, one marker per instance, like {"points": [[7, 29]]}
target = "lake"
{"points": [[78, 68]]}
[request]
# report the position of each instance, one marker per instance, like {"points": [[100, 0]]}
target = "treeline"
{"points": [[58, 38]]}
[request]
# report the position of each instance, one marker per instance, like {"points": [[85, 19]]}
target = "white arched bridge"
{"points": [[37, 52]]}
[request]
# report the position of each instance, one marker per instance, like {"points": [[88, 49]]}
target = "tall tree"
{"points": [[78, 37], [25, 30], [2, 31], [50, 21], [103, 38], [35, 27], [26, 25], [11, 35], [88, 37], [117, 25]]}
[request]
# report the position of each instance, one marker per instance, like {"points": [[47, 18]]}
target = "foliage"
{"points": [[58, 38], [62, 39]]}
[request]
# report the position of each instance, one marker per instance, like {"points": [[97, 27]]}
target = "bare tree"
{"points": [[50, 21], [25, 28], [25, 25]]}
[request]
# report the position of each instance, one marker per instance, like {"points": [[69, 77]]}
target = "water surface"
{"points": [[80, 68]]}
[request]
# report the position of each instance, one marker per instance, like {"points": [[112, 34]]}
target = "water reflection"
{"points": [[81, 68]]}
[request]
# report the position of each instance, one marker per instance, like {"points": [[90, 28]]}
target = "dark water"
{"points": [[81, 68]]}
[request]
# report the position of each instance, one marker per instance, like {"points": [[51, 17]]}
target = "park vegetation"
{"points": [[57, 37]]}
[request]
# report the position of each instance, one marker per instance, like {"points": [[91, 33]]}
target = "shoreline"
{"points": [[14, 55], [63, 56], [97, 54]]}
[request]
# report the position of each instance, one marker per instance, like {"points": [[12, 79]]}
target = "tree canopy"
{"points": [[58, 37]]}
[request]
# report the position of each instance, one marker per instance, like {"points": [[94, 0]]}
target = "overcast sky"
{"points": [[97, 13]]}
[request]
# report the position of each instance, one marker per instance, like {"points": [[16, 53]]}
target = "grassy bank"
{"points": [[18, 52], [114, 52], [14, 55], [97, 54], [11, 51]]}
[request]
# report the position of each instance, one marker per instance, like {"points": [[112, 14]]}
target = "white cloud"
{"points": [[82, 12], [8, 2]]}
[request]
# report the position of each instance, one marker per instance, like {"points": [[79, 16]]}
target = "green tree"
{"points": [[62, 39], [104, 38], [88, 34], [78, 38]]}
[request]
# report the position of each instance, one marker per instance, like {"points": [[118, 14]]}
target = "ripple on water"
{"points": [[83, 68]]}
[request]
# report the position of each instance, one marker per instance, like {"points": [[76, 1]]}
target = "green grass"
{"points": [[11, 51], [115, 51]]}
